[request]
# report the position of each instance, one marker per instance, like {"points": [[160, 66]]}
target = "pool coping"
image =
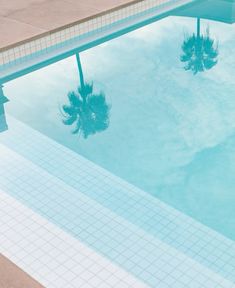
{"points": [[84, 19]]}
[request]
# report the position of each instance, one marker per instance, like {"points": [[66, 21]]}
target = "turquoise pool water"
{"points": [[166, 130]]}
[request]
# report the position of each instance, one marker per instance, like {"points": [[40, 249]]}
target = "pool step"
{"points": [[144, 256], [144, 211], [50, 255]]}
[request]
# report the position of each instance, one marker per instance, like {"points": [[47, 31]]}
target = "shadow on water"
{"points": [[199, 51], [87, 111], [3, 100]]}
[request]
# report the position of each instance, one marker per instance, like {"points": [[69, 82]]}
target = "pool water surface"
{"points": [[163, 124]]}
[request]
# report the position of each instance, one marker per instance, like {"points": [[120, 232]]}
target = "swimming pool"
{"points": [[170, 133], [160, 120]]}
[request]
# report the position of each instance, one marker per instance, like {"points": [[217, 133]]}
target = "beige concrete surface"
{"points": [[13, 277], [12, 31], [22, 20]]}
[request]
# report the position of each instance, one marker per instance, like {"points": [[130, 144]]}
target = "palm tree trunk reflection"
{"points": [[87, 111]]}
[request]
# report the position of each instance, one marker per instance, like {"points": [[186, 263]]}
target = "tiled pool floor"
{"points": [[102, 213]]}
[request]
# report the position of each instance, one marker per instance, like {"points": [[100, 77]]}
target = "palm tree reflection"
{"points": [[87, 111], [3, 100], [199, 52]]}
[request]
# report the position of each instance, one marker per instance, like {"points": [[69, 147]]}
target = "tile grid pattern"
{"points": [[152, 261], [50, 255], [153, 216], [79, 31]]}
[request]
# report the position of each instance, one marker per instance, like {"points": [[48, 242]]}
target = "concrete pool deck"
{"points": [[23, 20], [13, 277]]}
